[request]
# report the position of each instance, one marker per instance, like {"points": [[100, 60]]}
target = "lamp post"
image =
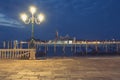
{"points": [[32, 19]]}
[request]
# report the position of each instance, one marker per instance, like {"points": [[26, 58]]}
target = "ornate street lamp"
{"points": [[32, 19]]}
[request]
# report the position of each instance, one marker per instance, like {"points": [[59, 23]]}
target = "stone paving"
{"points": [[101, 68]]}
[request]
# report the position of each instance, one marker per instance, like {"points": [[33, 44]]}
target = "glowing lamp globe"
{"points": [[24, 17], [32, 10], [41, 17]]}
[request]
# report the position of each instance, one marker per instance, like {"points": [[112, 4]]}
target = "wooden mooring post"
{"points": [[86, 48], [55, 48], [63, 49]]}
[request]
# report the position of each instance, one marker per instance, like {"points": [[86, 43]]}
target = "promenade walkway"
{"points": [[101, 68]]}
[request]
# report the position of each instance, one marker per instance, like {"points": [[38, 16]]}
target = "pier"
{"points": [[81, 47], [17, 49]]}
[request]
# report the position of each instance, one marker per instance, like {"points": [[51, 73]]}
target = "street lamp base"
{"points": [[32, 43]]}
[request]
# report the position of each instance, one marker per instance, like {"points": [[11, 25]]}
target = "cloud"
{"points": [[75, 4], [9, 22]]}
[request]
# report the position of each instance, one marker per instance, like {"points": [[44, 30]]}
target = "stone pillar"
{"points": [[32, 54]]}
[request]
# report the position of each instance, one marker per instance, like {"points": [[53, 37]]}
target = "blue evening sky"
{"points": [[83, 19]]}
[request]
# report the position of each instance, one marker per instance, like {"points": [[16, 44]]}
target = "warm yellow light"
{"points": [[32, 9], [24, 17], [41, 17]]}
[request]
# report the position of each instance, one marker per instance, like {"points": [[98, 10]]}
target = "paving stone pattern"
{"points": [[61, 69]]}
